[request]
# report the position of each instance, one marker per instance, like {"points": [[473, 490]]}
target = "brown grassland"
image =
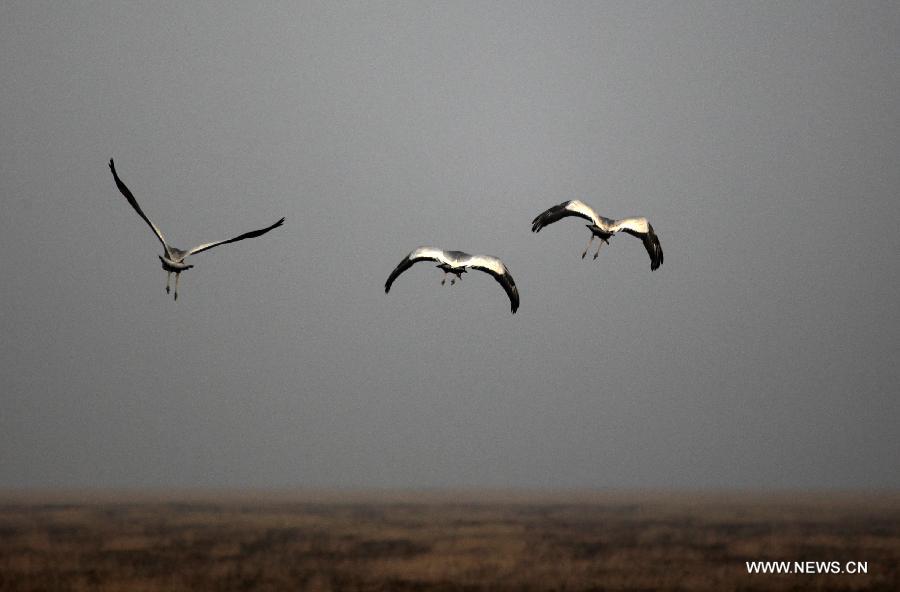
{"points": [[441, 541]]}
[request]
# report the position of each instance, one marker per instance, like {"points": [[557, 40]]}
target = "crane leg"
{"points": [[600, 244], [444, 279], [587, 248], [177, 276], [168, 279]]}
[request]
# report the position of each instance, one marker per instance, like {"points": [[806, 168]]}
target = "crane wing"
{"points": [[569, 208], [134, 204], [642, 229], [419, 254], [251, 234], [498, 270]]}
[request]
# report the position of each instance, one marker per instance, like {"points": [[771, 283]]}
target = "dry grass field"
{"points": [[441, 541]]}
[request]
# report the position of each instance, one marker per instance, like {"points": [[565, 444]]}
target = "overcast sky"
{"points": [[760, 139]]}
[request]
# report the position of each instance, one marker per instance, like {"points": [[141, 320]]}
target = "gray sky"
{"points": [[761, 139]]}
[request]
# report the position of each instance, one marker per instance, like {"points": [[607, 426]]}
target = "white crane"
{"points": [[604, 228], [456, 262], [173, 259]]}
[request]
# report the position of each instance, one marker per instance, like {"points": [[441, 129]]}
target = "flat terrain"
{"points": [[441, 541]]}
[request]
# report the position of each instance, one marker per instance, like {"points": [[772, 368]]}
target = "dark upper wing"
{"points": [[654, 249], [251, 234], [569, 208], [498, 270], [130, 197], [420, 254]]}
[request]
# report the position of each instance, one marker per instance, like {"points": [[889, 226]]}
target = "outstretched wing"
{"points": [[420, 254], [130, 197], [642, 229], [496, 268], [569, 208], [251, 234]]}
